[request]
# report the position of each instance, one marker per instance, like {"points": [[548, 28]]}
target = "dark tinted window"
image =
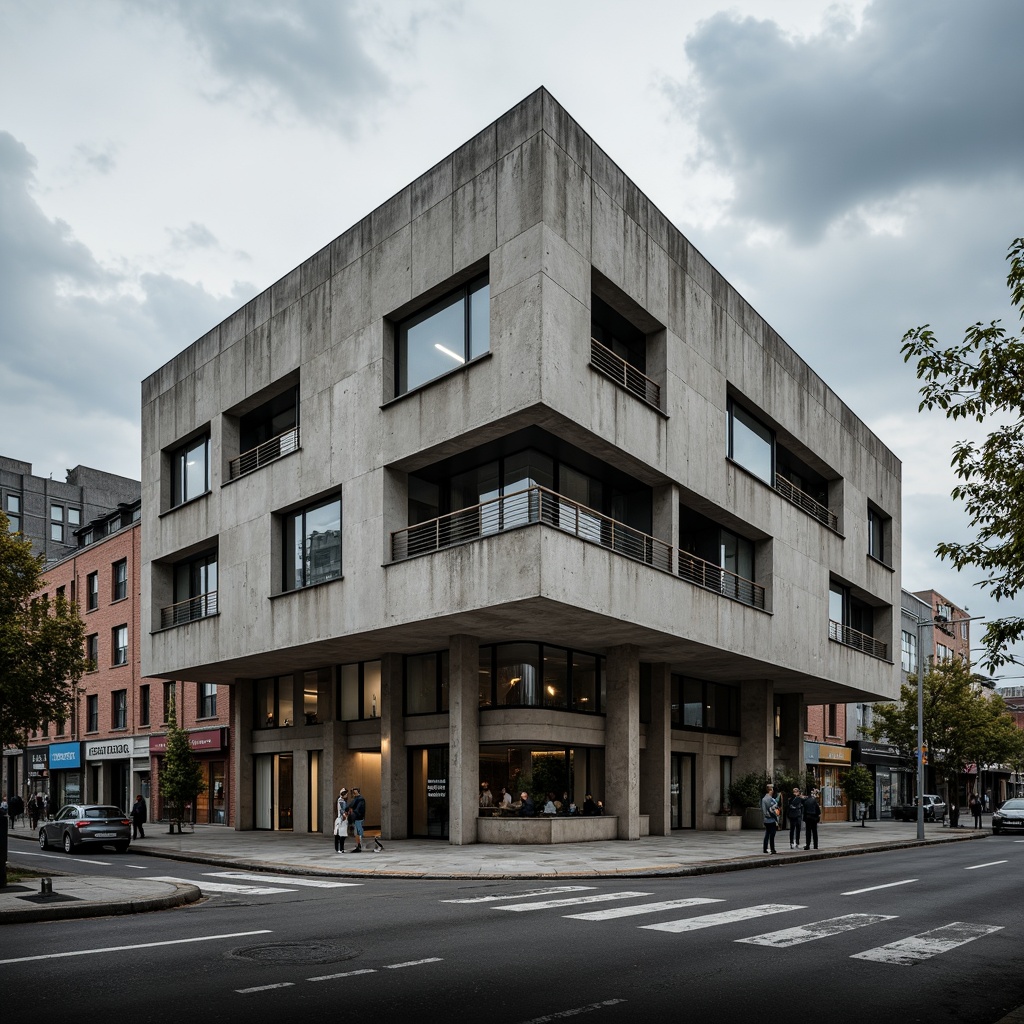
{"points": [[103, 812]]}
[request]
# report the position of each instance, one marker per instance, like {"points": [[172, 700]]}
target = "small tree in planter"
{"points": [[859, 787], [745, 793], [181, 777]]}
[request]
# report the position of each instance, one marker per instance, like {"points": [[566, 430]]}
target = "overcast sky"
{"points": [[855, 171]]}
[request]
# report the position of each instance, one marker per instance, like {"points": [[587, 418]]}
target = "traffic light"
{"points": [[924, 753]]}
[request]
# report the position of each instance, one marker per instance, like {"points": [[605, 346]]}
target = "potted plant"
{"points": [[745, 797]]}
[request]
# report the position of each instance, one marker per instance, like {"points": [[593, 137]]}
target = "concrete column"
{"points": [[665, 518], [300, 795], [241, 738], [757, 727], [656, 758], [622, 739], [463, 738], [394, 781]]}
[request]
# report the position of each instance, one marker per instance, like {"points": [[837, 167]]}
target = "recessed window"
{"points": [[57, 532], [144, 704], [444, 336], [190, 468], [170, 692], [57, 513], [92, 651], [119, 709], [878, 527], [92, 591], [426, 683], [14, 503], [119, 645], [92, 713], [751, 443], [207, 703], [908, 653], [74, 517], [120, 577], [312, 545], [359, 691], [274, 702], [195, 591]]}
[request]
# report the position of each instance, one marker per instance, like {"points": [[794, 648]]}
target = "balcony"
{"points": [[269, 451], [529, 507], [712, 577], [814, 508], [850, 637], [199, 607], [616, 369]]}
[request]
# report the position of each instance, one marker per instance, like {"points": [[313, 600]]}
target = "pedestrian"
{"points": [[33, 813], [976, 807], [812, 815], [795, 814], [138, 817], [15, 809], [770, 813], [357, 813], [341, 821]]}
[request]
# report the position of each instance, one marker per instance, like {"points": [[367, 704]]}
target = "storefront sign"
{"points": [[829, 755], [108, 750], [40, 759], [204, 740], [437, 789], [65, 755]]}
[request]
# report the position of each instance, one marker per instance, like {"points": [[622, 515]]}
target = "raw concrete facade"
{"points": [[677, 591]]}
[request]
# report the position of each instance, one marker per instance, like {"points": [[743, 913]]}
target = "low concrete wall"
{"points": [[512, 831]]}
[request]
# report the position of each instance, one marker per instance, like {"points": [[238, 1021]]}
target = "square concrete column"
{"points": [[241, 740], [394, 775], [757, 727], [656, 757], [622, 739], [463, 738], [665, 518], [300, 791]]}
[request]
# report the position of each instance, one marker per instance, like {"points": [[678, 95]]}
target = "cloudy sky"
{"points": [[855, 170]]}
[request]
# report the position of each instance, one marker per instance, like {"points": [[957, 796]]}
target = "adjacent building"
{"points": [[507, 483]]}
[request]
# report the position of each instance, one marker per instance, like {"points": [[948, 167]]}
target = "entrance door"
{"points": [[428, 792], [681, 791], [274, 792]]}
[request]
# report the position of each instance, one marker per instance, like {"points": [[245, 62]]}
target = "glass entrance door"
{"points": [[681, 791], [428, 792], [274, 792]]}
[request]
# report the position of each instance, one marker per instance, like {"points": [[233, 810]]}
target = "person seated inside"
{"points": [[526, 805], [589, 807], [549, 805], [486, 800]]}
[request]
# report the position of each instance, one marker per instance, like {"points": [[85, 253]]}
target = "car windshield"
{"points": [[103, 812], [1013, 805]]}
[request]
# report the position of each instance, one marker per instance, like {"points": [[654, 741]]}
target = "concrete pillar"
{"points": [[394, 780], [300, 791], [241, 738], [622, 739], [757, 727], [665, 518], [463, 738], [656, 758]]}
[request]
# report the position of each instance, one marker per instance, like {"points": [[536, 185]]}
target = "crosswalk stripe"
{"points": [[225, 887], [315, 883], [692, 924], [549, 891], [643, 908], [816, 930], [916, 948], [602, 897]]}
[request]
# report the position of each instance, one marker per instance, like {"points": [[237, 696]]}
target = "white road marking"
{"points": [[414, 963], [574, 1011], [345, 974], [873, 888], [907, 952], [224, 887], [64, 857], [550, 891], [32, 853], [818, 930], [692, 924], [603, 897], [990, 864], [264, 988], [643, 908], [139, 867], [315, 883], [138, 945]]}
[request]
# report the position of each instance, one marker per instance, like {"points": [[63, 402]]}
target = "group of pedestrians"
{"points": [[800, 810], [351, 815]]}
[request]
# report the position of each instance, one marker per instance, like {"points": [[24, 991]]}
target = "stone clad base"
{"points": [[539, 831]]}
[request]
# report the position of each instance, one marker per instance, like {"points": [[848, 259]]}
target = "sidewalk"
{"points": [[683, 853]]}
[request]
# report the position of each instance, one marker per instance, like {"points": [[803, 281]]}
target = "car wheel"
{"points": [[121, 847], [43, 844], [995, 831], [68, 847]]}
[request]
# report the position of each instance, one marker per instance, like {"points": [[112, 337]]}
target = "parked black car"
{"points": [[934, 809], [78, 825]]}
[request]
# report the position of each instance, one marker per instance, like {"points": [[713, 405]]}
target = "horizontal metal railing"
{"points": [[624, 374], [815, 508], [259, 456], [854, 638], [188, 611], [721, 581], [531, 506]]}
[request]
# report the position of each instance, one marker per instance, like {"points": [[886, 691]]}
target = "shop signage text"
{"points": [[205, 739], [66, 755], [107, 750]]}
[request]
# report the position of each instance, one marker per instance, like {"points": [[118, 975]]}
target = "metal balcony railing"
{"points": [[854, 638], [625, 375], [793, 493], [269, 451], [721, 581], [188, 611], [529, 507]]}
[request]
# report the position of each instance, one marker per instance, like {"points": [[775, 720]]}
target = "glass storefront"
{"points": [[274, 792], [682, 791], [428, 792]]}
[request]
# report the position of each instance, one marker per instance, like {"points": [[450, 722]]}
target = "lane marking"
{"points": [[139, 867], [550, 891], [817, 930], [315, 883], [692, 924], [643, 908], [912, 950], [414, 963], [138, 945], [574, 1011], [990, 864], [264, 988], [603, 897], [33, 853], [64, 857], [344, 974], [224, 887], [873, 888]]}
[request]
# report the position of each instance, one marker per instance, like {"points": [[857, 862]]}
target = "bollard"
{"points": [[45, 887]]}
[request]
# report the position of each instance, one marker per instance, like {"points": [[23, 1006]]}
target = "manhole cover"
{"points": [[295, 953]]}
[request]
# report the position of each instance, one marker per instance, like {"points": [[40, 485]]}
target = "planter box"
{"points": [[728, 822], [753, 818]]}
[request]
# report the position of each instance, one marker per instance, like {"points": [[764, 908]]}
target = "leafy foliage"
{"points": [[747, 790], [181, 775], [42, 644], [979, 379], [859, 785]]}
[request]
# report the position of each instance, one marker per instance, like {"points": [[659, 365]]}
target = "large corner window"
{"points": [[190, 468], [444, 336], [312, 545], [540, 675], [751, 443]]}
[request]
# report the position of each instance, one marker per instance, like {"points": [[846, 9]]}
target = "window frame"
{"points": [[119, 651], [180, 491], [92, 712], [119, 709], [732, 408], [119, 580], [288, 541], [92, 651], [144, 712], [92, 591], [206, 700]]}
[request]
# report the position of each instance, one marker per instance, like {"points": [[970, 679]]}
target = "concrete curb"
{"points": [[183, 893]]}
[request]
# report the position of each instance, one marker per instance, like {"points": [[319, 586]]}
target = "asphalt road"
{"points": [[932, 935]]}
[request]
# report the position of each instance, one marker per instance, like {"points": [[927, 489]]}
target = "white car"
{"points": [[1009, 816]]}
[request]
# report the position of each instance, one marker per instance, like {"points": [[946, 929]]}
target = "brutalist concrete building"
{"points": [[508, 485]]}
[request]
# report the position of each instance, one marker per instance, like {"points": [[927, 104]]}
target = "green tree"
{"points": [[859, 786], [42, 644], [982, 379], [181, 775]]}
